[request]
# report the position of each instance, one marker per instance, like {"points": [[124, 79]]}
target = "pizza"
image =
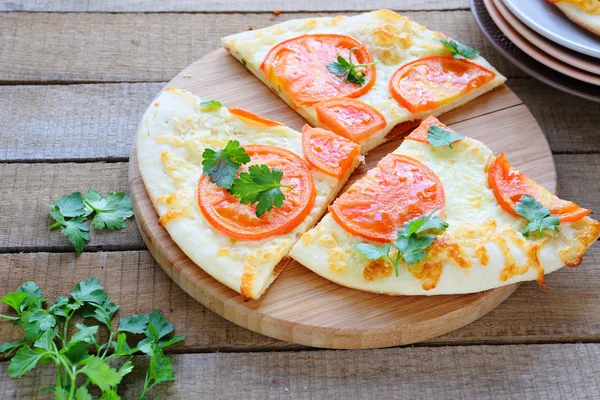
{"points": [[443, 215], [585, 13], [369, 77], [234, 189]]}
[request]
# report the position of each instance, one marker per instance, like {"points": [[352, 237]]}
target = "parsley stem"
{"points": [[55, 225], [9, 317]]}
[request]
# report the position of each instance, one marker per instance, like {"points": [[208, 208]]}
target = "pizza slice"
{"points": [[235, 190], [443, 215], [585, 13], [369, 77]]}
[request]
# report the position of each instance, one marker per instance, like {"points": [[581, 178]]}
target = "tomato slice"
{"points": [[421, 133], [251, 118], [239, 221], [509, 185], [397, 190], [328, 152], [431, 82], [349, 118], [299, 67]]}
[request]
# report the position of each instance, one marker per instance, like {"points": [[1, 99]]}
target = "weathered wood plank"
{"points": [[53, 47], [98, 121], [24, 228], [27, 189], [224, 6], [138, 284], [474, 372]]}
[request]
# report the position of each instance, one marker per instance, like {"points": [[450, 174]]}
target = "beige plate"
{"points": [[574, 59], [301, 306], [536, 53]]}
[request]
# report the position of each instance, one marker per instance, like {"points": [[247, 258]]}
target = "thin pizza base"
{"points": [[589, 21], [173, 133], [491, 250], [393, 40]]}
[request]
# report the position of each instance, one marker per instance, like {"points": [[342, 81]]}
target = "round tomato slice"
{"points": [[328, 152], [299, 67], [397, 190], [239, 221], [251, 118], [509, 185], [349, 118], [431, 82]]}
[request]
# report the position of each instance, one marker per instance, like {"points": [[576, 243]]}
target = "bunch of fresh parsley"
{"points": [[80, 358], [260, 184], [347, 69], [412, 240], [459, 50], [539, 217], [438, 136], [70, 213]]}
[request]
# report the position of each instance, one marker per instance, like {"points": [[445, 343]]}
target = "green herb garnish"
{"points": [[539, 217], [46, 340], [459, 50], [70, 213], [438, 136], [210, 103], [347, 69], [222, 165], [411, 242]]}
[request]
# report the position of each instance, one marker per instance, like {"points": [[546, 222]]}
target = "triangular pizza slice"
{"points": [[443, 215], [369, 77], [235, 190]]}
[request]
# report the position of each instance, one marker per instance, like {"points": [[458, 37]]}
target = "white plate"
{"points": [[547, 20]]}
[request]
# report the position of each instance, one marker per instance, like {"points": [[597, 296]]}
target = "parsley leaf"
{"points": [[134, 324], [89, 291], [111, 211], [100, 373], [412, 240], [77, 232], [539, 217], [71, 205], [24, 360], [222, 166], [348, 69], [211, 104], [438, 136], [459, 50], [261, 185]]}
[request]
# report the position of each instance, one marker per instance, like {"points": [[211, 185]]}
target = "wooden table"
{"points": [[76, 77]]}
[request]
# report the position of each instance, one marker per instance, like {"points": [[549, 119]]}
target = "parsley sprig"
{"points": [[438, 136], [46, 339], [538, 216], [261, 185], [459, 50], [71, 211], [348, 69], [412, 240], [211, 104]]}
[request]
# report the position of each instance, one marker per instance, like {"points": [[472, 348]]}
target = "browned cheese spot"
{"points": [[280, 266], [248, 277], [572, 254], [169, 216], [380, 268], [429, 273]]}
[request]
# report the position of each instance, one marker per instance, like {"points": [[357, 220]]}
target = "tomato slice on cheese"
{"points": [[251, 118], [422, 132], [328, 152], [239, 221], [299, 67], [509, 185], [397, 190], [349, 118], [431, 82]]}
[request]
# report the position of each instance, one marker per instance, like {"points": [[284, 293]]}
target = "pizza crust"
{"points": [[589, 21]]}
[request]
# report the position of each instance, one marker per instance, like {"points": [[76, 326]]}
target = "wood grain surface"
{"points": [[95, 122], [224, 6], [346, 318], [551, 371], [76, 47]]}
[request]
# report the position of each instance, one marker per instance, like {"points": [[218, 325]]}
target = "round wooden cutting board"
{"points": [[302, 307]]}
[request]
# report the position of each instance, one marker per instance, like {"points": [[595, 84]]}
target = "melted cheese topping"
{"points": [[481, 249], [171, 139], [589, 6], [390, 38]]}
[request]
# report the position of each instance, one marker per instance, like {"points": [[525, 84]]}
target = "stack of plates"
{"points": [[538, 38]]}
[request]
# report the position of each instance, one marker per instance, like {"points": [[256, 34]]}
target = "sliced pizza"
{"points": [[585, 13], [443, 215], [235, 190], [369, 77]]}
